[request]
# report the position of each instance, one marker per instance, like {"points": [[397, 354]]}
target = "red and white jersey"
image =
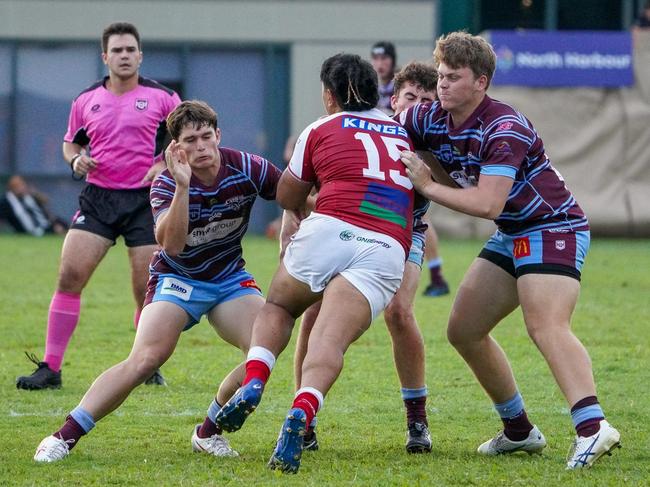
{"points": [[353, 158], [124, 133]]}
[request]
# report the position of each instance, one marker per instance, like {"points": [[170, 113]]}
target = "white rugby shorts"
{"points": [[324, 247]]}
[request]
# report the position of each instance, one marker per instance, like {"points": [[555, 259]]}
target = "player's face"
{"points": [[201, 145], [122, 56], [383, 65], [410, 94], [458, 88]]}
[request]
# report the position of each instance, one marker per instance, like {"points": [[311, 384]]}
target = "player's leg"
{"points": [[287, 299], [548, 293], [306, 324], [486, 295], [336, 327], [437, 284], [139, 259], [408, 352], [233, 322], [81, 253], [160, 327]]}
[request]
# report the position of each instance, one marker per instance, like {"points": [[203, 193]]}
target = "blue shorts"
{"points": [[560, 252], [199, 297], [416, 252]]}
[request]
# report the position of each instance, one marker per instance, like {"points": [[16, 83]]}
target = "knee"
{"points": [[143, 364], [457, 333], [399, 316], [71, 280]]}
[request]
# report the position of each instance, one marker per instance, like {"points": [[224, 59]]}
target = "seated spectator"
{"points": [[643, 20], [25, 210]]}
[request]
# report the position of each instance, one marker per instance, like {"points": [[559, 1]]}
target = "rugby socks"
{"points": [[516, 425], [587, 415], [259, 363], [61, 321], [310, 400], [209, 426], [415, 402], [77, 423], [435, 270]]}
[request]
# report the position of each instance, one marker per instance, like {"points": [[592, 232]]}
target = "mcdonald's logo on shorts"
{"points": [[521, 247]]}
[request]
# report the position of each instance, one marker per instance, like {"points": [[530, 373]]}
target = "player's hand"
{"points": [[153, 172], [290, 223], [176, 160], [84, 164], [417, 171]]}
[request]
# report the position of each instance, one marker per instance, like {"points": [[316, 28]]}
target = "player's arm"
{"points": [[172, 226], [292, 192], [437, 172], [79, 161], [486, 200]]}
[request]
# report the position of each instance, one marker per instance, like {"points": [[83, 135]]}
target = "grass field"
{"points": [[146, 442]]}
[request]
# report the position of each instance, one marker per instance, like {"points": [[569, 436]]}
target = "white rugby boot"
{"points": [[215, 445], [52, 449], [585, 450], [501, 444]]}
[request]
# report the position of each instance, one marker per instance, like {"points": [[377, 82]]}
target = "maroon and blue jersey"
{"points": [[497, 140], [124, 133], [218, 216]]}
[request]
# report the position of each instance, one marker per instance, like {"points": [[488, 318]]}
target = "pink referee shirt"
{"points": [[124, 133]]}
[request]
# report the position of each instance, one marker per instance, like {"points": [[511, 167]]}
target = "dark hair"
{"points": [[191, 112], [420, 74], [119, 28], [352, 81], [462, 50], [384, 48]]}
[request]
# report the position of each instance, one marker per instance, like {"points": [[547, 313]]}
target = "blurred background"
{"points": [[578, 69]]}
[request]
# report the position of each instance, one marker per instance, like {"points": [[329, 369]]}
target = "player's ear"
{"points": [[217, 133], [393, 102]]}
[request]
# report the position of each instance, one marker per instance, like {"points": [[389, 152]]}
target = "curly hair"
{"points": [[420, 74], [352, 81]]}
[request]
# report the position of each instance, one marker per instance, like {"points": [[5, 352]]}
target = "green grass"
{"points": [[146, 442]]}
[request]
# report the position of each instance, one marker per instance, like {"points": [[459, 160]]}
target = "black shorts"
{"points": [[114, 212]]}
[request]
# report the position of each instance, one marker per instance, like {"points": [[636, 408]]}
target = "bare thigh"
{"points": [[81, 254], [233, 320]]}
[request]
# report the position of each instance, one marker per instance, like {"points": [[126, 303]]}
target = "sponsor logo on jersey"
{"points": [[95, 107], [141, 104], [80, 220], [213, 231], [386, 203], [521, 247], [235, 202], [380, 128], [503, 148], [250, 283], [156, 202], [346, 235], [373, 241], [504, 126], [461, 179], [560, 244], [175, 287]]}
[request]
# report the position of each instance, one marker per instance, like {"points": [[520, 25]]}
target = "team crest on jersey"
{"points": [[141, 104], [346, 235], [195, 212], [560, 244], [446, 154]]}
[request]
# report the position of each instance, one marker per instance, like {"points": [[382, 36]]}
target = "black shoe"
{"points": [[439, 289], [310, 442], [418, 439], [42, 378], [156, 379]]}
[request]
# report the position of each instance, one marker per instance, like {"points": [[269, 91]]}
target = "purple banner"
{"points": [[563, 58]]}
